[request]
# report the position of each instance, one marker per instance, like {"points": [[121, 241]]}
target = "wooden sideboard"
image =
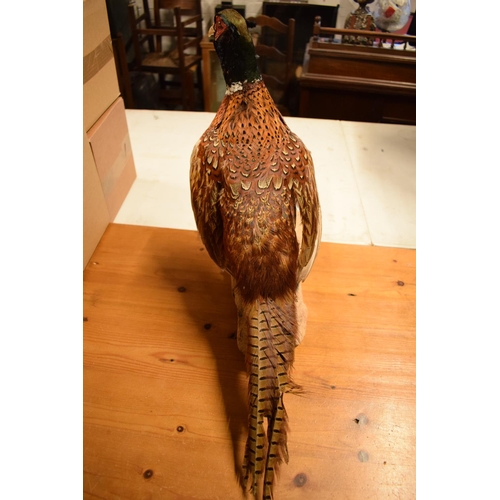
{"points": [[357, 82], [342, 81]]}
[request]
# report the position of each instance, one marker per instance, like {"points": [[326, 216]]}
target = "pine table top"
{"points": [[165, 389]]}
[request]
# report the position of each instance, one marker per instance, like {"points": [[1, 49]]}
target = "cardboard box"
{"points": [[110, 143], [108, 166], [100, 82], [95, 211]]}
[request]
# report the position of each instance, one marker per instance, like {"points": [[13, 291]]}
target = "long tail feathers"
{"points": [[270, 353]]}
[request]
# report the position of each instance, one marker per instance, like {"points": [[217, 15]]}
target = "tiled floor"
{"points": [[365, 174]]}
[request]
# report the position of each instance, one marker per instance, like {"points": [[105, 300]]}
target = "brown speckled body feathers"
{"points": [[249, 175], [256, 207]]}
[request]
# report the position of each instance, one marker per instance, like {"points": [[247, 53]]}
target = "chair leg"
{"points": [[161, 80], [122, 71], [199, 77], [188, 91]]}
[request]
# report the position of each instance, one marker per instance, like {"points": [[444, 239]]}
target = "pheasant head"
{"points": [[235, 48]]}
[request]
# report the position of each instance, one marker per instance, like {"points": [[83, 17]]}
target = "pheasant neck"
{"points": [[238, 62]]}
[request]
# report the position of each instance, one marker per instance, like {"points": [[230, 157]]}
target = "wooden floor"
{"points": [[165, 389]]}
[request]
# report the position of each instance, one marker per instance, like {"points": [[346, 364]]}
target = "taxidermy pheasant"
{"points": [[256, 207]]}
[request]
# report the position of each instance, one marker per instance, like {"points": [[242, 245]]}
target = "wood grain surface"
{"points": [[165, 389]]}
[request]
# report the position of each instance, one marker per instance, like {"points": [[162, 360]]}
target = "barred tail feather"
{"points": [[271, 340]]}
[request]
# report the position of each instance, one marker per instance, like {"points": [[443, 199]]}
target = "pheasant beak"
{"points": [[211, 34]]}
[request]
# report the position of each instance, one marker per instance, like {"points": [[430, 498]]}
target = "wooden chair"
{"points": [[182, 58], [276, 64], [189, 9]]}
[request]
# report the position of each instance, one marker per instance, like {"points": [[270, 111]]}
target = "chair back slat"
{"points": [[276, 64]]}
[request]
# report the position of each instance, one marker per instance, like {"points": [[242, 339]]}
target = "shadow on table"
{"points": [[208, 299]]}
